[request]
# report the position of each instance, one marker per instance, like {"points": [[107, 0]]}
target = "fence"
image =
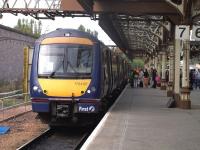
{"points": [[10, 93], [13, 105]]}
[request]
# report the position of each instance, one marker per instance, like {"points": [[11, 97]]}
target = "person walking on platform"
{"points": [[191, 77], [167, 76], [146, 78], [158, 82], [135, 79], [154, 74], [150, 77], [141, 77], [131, 78], [198, 79]]}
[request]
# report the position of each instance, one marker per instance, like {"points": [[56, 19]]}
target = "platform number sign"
{"points": [[196, 33], [182, 32]]}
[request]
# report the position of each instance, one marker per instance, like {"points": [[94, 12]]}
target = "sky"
{"points": [[68, 22]]}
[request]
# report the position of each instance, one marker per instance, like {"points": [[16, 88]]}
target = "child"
{"points": [[158, 80]]}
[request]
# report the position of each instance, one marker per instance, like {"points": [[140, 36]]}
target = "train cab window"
{"points": [[61, 60]]}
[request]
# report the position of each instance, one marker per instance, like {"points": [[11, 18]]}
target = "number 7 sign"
{"points": [[182, 32]]}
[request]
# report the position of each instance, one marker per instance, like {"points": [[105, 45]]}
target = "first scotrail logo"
{"points": [[86, 109]]}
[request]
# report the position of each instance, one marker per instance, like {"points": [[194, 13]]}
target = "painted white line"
{"points": [[99, 127]]}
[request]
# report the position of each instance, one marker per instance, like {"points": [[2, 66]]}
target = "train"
{"points": [[74, 77]]}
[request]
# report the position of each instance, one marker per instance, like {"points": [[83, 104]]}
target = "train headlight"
{"points": [[88, 91], [35, 88]]}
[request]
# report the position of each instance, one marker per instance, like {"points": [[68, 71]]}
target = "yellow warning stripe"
{"points": [[69, 40]]}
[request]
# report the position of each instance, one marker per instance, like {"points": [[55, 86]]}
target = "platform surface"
{"points": [[139, 120]]}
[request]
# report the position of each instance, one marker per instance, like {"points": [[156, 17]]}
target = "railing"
{"points": [[11, 106], [10, 93]]}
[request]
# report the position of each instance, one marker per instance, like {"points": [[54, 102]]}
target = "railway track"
{"points": [[62, 139]]}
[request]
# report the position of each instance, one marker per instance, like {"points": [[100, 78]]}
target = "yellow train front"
{"points": [[72, 76]]}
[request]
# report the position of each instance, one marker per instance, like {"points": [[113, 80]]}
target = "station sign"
{"points": [[196, 33], [182, 32]]}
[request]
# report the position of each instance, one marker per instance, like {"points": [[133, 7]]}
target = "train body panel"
{"points": [[67, 87], [71, 73]]}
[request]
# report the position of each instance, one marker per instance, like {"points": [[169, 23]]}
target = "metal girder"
{"points": [[106, 24], [196, 11], [171, 8], [87, 5], [143, 41], [178, 4], [146, 33], [6, 5], [120, 32], [148, 26], [140, 32], [151, 42], [147, 30], [39, 9], [139, 40]]}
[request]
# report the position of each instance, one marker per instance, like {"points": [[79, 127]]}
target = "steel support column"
{"points": [[148, 65], [153, 61], [177, 72], [185, 102], [156, 62], [171, 71], [159, 65], [163, 79]]}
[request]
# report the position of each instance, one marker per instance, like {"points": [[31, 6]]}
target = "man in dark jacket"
{"points": [[154, 73]]}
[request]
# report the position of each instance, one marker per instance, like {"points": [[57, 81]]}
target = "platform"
{"points": [[139, 120]]}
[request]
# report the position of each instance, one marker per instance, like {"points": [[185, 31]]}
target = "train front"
{"points": [[64, 77]]}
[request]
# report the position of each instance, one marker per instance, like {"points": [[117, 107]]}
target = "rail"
{"points": [[45, 139], [13, 105], [35, 140]]}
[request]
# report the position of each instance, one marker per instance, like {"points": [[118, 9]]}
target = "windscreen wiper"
{"points": [[56, 69]]}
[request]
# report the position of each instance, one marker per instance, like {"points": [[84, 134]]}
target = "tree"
{"points": [[138, 63], [35, 29], [30, 27], [89, 31], [19, 24], [81, 28], [95, 33], [39, 28]]}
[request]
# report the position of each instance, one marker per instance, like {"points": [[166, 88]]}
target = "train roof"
{"points": [[67, 32]]}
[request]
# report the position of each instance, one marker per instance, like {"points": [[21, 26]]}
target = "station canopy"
{"points": [[140, 28]]}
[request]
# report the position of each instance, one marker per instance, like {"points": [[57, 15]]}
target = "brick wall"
{"points": [[12, 43]]}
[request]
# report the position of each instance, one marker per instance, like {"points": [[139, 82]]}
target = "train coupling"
{"points": [[62, 110]]}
